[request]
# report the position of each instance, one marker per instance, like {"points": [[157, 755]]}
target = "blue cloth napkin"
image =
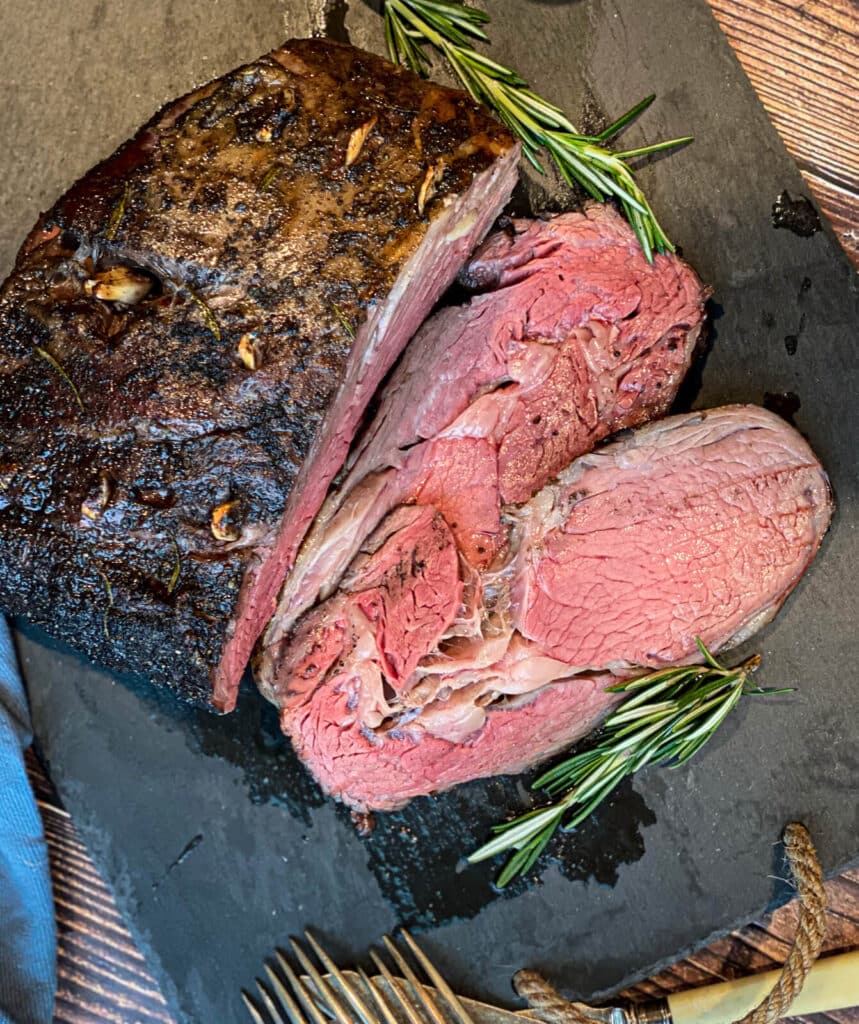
{"points": [[28, 949]]}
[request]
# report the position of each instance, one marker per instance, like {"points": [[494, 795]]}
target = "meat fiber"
{"points": [[574, 336], [421, 672], [190, 336]]}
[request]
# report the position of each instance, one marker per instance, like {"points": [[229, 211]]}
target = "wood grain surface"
{"points": [[802, 57], [102, 975]]}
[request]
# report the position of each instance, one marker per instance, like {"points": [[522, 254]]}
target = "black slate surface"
{"points": [[217, 844]]}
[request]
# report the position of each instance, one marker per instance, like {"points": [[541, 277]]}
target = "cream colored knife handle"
{"points": [[833, 984]]}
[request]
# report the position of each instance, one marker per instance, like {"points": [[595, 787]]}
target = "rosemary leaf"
{"points": [[269, 176], [657, 147], [206, 311], [625, 119], [177, 567], [57, 365], [106, 613], [117, 213], [344, 323]]}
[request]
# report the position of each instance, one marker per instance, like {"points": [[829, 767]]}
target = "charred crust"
{"points": [[168, 408]]}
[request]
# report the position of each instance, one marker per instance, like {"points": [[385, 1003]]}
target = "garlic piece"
{"points": [[119, 284], [94, 505], [357, 140], [432, 177], [249, 351], [223, 525]]}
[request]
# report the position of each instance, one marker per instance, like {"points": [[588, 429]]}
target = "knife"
{"points": [[832, 984]]}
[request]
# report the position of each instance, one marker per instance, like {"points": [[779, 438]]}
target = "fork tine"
{"points": [[346, 986], [437, 979], [418, 989], [327, 995], [381, 1005], [401, 995], [253, 1009], [287, 1003], [298, 987], [270, 1004]]}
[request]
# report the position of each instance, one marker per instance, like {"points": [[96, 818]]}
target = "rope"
{"points": [[550, 1004], [805, 868]]}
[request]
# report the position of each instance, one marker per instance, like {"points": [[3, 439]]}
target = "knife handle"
{"points": [[832, 984]]}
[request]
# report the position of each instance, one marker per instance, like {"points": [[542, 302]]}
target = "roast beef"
{"points": [[190, 336], [574, 335], [422, 671]]}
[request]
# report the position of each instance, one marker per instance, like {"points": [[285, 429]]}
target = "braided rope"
{"points": [[805, 868], [551, 1005]]}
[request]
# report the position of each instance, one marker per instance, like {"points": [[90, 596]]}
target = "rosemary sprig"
{"points": [[668, 717], [447, 26]]}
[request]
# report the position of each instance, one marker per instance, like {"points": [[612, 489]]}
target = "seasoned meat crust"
{"points": [[201, 316]]}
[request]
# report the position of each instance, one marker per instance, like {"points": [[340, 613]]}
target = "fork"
{"points": [[354, 997], [350, 997]]}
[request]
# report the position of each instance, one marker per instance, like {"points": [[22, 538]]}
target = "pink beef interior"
{"points": [[696, 526], [421, 671], [576, 337], [454, 232]]}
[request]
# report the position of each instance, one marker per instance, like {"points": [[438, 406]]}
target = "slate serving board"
{"points": [[218, 846]]}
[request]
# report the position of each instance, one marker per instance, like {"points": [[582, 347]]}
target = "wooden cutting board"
{"points": [[216, 842]]}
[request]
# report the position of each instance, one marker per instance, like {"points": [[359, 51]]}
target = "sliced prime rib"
{"points": [[573, 336], [422, 671], [190, 336]]}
